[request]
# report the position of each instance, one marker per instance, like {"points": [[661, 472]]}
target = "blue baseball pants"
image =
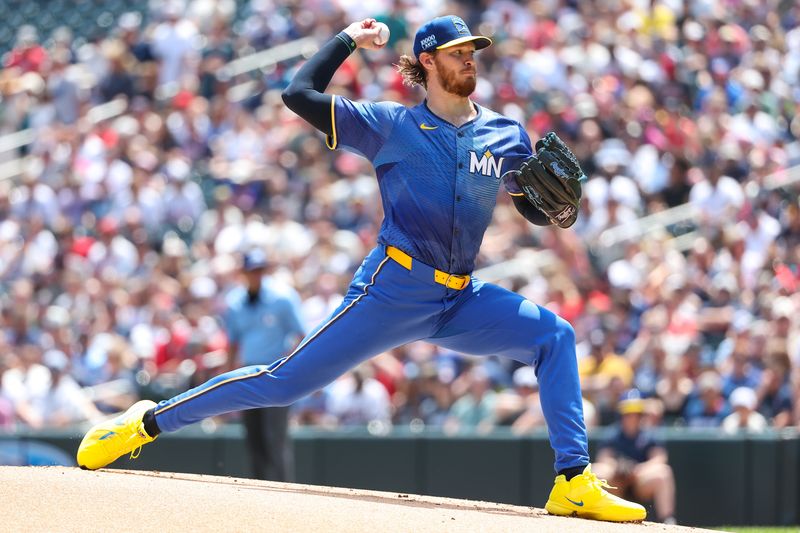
{"points": [[387, 306]]}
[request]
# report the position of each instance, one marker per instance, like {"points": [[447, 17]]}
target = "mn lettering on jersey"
{"points": [[485, 164]]}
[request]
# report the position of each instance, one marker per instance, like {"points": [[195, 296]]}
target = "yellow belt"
{"points": [[451, 281]]}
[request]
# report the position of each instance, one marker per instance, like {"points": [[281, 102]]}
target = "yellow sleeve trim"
{"points": [[516, 194], [330, 140]]}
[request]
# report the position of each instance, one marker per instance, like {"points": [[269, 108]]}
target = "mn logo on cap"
{"points": [[461, 26]]}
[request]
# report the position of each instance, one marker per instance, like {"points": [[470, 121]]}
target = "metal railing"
{"points": [[681, 214], [267, 58], [525, 262]]}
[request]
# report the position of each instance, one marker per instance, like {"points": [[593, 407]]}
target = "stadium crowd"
{"points": [[120, 236]]}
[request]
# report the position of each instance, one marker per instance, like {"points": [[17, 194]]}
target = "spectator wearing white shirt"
{"points": [[717, 197], [63, 402], [173, 43], [358, 399], [744, 417]]}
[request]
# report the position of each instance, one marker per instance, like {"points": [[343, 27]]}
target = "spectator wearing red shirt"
{"points": [[28, 55]]}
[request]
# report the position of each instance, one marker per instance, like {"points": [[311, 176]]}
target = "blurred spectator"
{"points": [[706, 406], [775, 395], [64, 402], [28, 55], [421, 398], [673, 389], [742, 374], [635, 462], [311, 411], [63, 85], [174, 45], [744, 417], [604, 374], [475, 410], [717, 196], [118, 80], [43, 393], [358, 399], [130, 33], [520, 407], [262, 321], [7, 418]]}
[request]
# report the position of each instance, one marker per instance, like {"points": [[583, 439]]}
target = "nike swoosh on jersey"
{"points": [[424, 126]]}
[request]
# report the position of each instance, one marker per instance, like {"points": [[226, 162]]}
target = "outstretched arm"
{"points": [[305, 95]]}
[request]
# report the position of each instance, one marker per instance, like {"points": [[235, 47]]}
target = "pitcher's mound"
{"points": [[69, 499]]}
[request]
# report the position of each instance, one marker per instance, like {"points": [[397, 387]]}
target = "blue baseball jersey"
{"points": [[438, 183]]}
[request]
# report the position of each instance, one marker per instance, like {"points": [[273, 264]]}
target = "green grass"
{"points": [[759, 529]]}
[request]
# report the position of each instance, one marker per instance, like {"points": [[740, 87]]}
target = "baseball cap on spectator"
{"points": [[55, 360], [62, 34], [182, 99], [612, 153], [254, 260], [174, 246], [709, 380], [585, 106], [130, 21], [27, 34], [525, 376], [760, 33], [203, 287], [742, 321], [725, 282], [693, 30], [173, 9], [782, 307], [744, 397], [444, 32], [623, 275], [108, 225], [631, 402], [56, 317]]}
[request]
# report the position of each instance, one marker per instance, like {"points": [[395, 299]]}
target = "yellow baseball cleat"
{"points": [[110, 440], [585, 496]]}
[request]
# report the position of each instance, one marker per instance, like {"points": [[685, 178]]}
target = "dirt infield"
{"points": [[69, 499]]}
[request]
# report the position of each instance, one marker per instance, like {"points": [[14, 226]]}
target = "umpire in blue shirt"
{"points": [[263, 322]]}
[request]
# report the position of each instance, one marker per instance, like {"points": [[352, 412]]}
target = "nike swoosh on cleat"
{"points": [[424, 126], [104, 437], [574, 503]]}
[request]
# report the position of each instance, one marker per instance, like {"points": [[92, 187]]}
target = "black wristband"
{"points": [[347, 40]]}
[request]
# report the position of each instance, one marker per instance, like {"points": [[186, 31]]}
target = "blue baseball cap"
{"points": [[444, 32], [631, 402], [255, 259]]}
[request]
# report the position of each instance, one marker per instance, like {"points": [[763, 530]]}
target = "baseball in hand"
{"points": [[383, 34]]}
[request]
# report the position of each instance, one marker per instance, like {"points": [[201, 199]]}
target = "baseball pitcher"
{"points": [[439, 166]]}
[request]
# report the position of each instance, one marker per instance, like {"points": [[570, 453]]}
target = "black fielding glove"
{"points": [[551, 181]]}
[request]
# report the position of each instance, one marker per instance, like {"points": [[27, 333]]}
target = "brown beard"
{"points": [[451, 84]]}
